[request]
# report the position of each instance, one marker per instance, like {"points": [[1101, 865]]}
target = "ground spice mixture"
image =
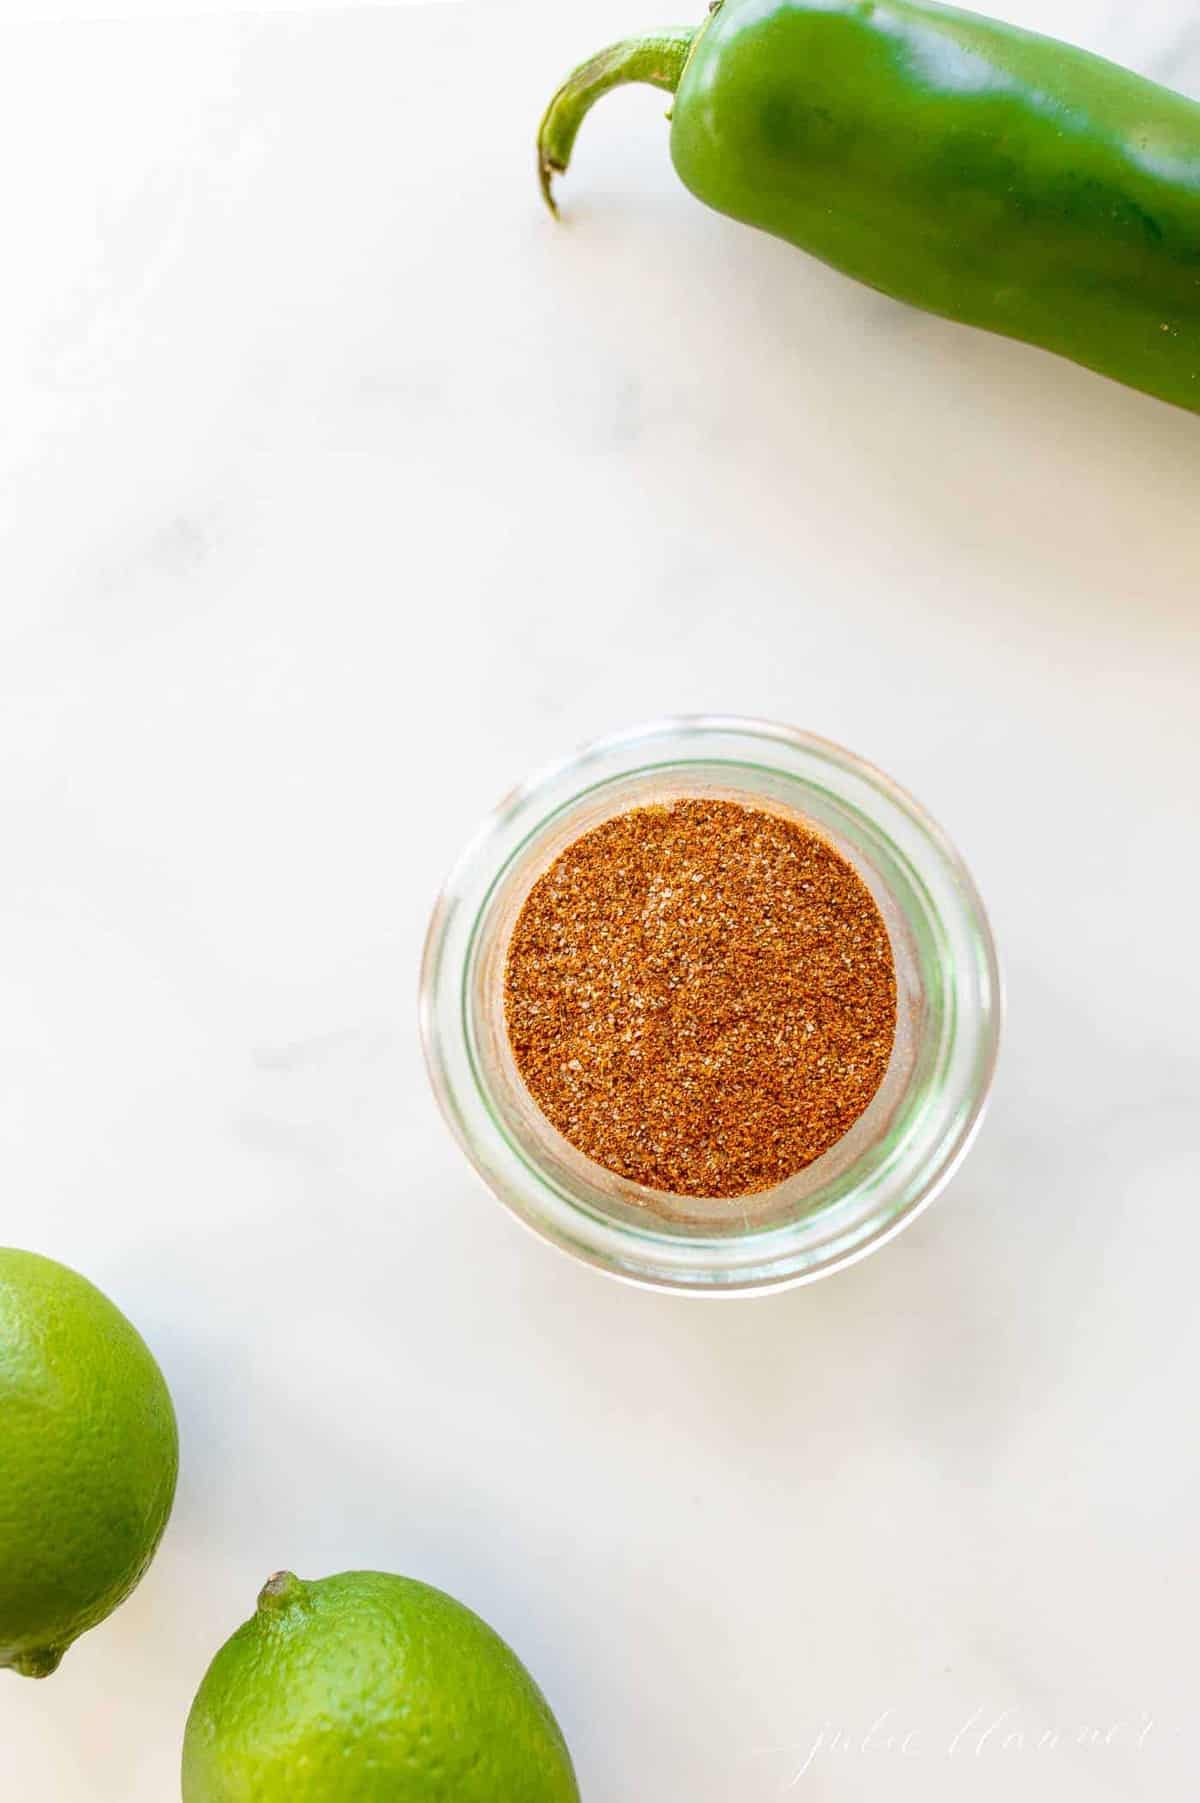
{"points": [[701, 996]]}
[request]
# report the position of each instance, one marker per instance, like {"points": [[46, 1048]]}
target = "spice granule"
{"points": [[701, 996]]}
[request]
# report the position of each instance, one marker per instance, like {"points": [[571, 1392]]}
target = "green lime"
{"points": [[88, 1459], [367, 1688]]}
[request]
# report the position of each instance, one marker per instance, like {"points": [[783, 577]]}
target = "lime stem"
{"points": [[280, 1592], [659, 60], [39, 1664]]}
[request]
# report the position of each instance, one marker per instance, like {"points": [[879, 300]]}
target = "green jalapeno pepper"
{"points": [[970, 168]]}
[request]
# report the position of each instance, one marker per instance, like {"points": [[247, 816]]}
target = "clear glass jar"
{"points": [[900, 1152]]}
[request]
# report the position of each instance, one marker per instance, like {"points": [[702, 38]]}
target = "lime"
{"points": [[88, 1459], [367, 1688]]}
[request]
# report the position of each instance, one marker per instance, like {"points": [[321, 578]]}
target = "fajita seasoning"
{"points": [[701, 996]]}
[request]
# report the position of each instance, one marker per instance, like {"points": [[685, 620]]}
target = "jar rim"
{"points": [[816, 1242]]}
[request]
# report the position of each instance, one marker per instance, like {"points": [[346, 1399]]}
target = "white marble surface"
{"points": [[338, 488]]}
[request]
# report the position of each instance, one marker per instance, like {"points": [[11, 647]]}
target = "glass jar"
{"points": [[899, 1153]]}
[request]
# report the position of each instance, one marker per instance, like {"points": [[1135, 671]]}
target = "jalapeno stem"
{"points": [[659, 60]]}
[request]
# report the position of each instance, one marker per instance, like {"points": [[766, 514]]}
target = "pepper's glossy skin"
{"points": [[972, 169], [975, 170]]}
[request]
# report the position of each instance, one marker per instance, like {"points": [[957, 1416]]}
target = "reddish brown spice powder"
{"points": [[701, 996]]}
